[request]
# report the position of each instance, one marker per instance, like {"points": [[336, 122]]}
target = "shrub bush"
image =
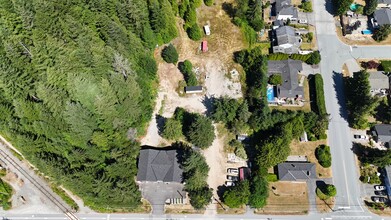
{"points": [[208, 2], [271, 177], [370, 64], [169, 54], [317, 96], [314, 58], [194, 32], [386, 65], [382, 33], [186, 69], [323, 155], [275, 79]]}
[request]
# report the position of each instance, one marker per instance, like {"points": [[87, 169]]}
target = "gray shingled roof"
{"points": [[383, 16], [378, 80], [384, 1], [280, 4], [296, 171], [383, 132], [158, 165], [286, 35], [289, 10], [289, 70]]}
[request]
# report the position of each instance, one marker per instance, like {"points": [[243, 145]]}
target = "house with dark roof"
{"points": [[286, 40], [379, 82], [289, 70], [382, 134], [158, 165], [284, 10], [384, 3], [382, 16], [296, 171]]}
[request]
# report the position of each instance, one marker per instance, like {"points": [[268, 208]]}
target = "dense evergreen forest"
{"points": [[77, 87]]}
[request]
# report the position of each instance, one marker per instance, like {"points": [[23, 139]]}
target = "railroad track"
{"points": [[4, 157]]}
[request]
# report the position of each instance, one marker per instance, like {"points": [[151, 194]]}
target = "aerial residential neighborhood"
{"points": [[195, 109]]}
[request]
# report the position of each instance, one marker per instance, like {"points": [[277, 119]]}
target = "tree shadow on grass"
{"points": [[229, 9]]}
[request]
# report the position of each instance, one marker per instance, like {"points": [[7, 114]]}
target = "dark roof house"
{"points": [[284, 10], [286, 40], [158, 165], [382, 16], [296, 171], [289, 70], [382, 133]]}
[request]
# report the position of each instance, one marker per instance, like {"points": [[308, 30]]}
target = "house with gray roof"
{"points": [[289, 70], [379, 82], [158, 165], [284, 10], [382, 134], [382, 16], [384, 3], [286, 40], [296, 171]]}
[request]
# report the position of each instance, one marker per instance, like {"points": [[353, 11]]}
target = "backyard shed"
{"points": [[204, 46], [193, 89]]}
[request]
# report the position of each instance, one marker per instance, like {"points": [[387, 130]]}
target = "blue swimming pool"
{"points": [[270, 93], [366, 31], [353, 7]]}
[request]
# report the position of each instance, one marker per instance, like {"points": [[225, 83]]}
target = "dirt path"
{"points": [[214, 156]]}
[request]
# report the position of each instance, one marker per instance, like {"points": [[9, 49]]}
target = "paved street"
{"points": [[349, 205]]}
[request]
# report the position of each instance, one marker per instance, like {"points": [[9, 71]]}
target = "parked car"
{"points": [[360, 137], [233, 171], [232, 178], [378, 199], [379, 187], [229, 183], [381, 193]]}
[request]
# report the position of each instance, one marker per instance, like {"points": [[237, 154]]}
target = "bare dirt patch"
{"points": [[286, 198], [181, 209], [325, 205], [308, 149]]}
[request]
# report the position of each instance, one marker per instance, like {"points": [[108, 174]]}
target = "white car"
{"points": [[379, 187], [233, 170], [229, 183]]}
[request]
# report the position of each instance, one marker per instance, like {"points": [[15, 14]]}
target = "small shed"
{"points": [[207, 30], [204, 46], [193, 89]]}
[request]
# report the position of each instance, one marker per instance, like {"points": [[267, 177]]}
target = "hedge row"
{"points": [[312, 58], [319, 106]]}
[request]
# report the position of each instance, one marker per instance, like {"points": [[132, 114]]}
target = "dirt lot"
{"points": [[308, 149], [286, 198], [213, 69], [181, 209]]}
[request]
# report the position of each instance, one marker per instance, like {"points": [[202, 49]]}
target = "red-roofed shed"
{"points": [[204, 46]]}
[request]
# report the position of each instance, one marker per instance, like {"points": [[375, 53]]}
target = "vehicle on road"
{"points": [[378, 199], [380, 187], [229, 183], [381, 193], [232, 178], [233, 170], [360, 137]]}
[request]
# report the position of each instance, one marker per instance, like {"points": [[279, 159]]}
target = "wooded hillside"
{"points": [[76, 86]]}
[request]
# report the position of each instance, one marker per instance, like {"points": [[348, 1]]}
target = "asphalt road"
{"points": [[334, 54]]}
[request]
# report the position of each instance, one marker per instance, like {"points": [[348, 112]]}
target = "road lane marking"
{"points": [[346, 182]]}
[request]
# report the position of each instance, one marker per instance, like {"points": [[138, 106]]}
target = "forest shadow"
{"points": [[329, 7]]}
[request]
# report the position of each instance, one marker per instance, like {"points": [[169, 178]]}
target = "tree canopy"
{"points": [[76, 86]]}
